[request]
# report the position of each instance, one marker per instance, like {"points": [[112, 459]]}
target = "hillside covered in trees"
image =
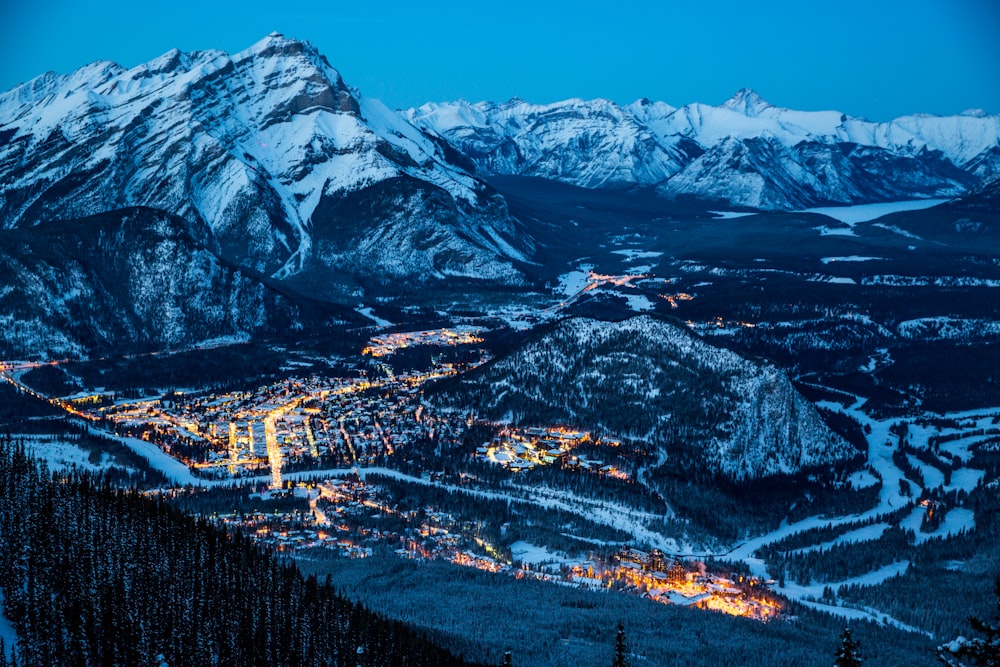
{"points": [[94, 575], [647, 379]]}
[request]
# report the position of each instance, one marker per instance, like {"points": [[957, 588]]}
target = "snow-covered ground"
{"points": [[835, 231], [881, 446], [799, 591], [860, 613], [639, 302], [575, 281], [848, 258], [7, 631], [811, 596], [955, 521], [61, 455], [863, 534], [933, 478], [172, 469], [862, 479], [633, 254], [369, 312], [531, 554]]}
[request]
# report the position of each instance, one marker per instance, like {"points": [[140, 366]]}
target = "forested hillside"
{"points": [[647, 379], [93, 575]]}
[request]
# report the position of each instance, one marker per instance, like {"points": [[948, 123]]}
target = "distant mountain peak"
{"points": [[747, 102]]}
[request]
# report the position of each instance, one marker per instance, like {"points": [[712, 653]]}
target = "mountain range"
{"points": [[745, 152], [287, 186]]}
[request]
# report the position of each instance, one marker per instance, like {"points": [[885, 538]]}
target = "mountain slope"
{"points": [[590, 144], [260, 145], [125, 280], [745, 151], [648, 380]]}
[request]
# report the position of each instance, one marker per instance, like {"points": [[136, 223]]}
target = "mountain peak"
{"points": [[747, 102], [169, 61], [276, 43]]}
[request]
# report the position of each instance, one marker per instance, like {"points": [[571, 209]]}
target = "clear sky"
{"points": [[873, 58]]}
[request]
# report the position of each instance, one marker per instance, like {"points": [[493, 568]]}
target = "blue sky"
{"points": [[873, 58]]}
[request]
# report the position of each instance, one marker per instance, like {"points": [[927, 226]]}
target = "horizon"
{"points": [[944, 60]]}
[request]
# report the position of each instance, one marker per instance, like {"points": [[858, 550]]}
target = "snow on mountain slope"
{"points": [[648, 380], [745, 151], [592, 144], [121, 280], [250, 143]]}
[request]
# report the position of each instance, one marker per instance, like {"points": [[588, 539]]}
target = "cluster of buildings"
{"points": [[355, 519], [525, 448], [669, 581], [294, 423], [674, 299], [385, 345], [334, 422]]}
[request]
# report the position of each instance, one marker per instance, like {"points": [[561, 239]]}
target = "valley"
{"points": [[347, 452]]}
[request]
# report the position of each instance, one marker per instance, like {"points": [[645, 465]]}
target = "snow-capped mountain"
{"points": [[591, 144], [647, 380], [125, 280], [288, 165], [746, 151]]}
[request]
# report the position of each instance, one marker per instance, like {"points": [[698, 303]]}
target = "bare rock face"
{"points": [[250, 145], [126, 280]]}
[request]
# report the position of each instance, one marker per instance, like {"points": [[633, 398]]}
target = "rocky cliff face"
{"points": [[650, 381], [125, 280], [744, 152], [262, 146]]}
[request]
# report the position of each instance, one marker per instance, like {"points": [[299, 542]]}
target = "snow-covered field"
{"points": [[632, 254], [639, 302], [848, 258], [61, 455], [369, 312], [530, 554]]}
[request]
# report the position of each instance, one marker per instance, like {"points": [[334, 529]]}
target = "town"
{"points": [[356, 519], [277, 443], [294, 424]]}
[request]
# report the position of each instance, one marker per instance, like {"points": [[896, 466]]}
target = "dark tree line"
{"points": [[96, 575], [982, 650]]}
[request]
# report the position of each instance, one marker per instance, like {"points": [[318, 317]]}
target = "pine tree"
{"points": [[621, 649], [508, 660], [848, 655], [981, 651]]}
